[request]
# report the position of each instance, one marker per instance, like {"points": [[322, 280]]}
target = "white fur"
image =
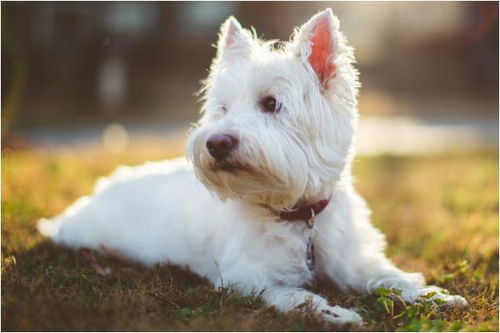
{"points": [[225, 225]]}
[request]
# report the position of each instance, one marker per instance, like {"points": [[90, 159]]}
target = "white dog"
{"points": [[269, 202]]}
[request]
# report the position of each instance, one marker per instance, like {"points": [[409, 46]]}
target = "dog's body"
{"points": [[277, 133]]}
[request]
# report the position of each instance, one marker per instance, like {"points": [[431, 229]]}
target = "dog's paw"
{"points": [[450, 301], [442, 297], [341, 317]]}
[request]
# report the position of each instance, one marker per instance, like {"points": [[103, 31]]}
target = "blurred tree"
{"points": [[12, 75]]}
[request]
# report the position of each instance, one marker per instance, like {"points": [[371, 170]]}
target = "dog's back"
{"points": [[136, 211]]}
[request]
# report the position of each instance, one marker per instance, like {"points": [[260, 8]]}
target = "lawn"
{"points": [[440, 215]]}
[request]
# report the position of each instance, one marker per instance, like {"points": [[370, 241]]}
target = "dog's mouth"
{"points": [[230, 166]]}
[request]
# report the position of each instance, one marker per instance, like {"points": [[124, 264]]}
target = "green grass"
{"points": [[440, 215]]}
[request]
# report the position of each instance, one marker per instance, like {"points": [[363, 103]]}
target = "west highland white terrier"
{"points": [[267, 202]]}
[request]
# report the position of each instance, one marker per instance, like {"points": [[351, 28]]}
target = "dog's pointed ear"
{"points": [[234, 41], [317, 43]]}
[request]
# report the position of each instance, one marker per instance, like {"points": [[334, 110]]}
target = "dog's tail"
{"points": [[48, 228], [73, 227]]}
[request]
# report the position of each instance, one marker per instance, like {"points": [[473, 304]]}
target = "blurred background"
{"points": [[87, 86], [113, 73]]}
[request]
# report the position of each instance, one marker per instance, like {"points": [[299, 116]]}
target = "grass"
{"points": [[440, 215]]}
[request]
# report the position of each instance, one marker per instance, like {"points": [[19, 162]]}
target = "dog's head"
{"points": [[278, 119]]}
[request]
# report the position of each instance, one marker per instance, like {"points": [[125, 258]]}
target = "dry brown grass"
{"points": [[440, 215]]}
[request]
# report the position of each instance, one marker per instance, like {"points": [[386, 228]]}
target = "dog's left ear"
{"points": [[317, 43], [234, 41]]}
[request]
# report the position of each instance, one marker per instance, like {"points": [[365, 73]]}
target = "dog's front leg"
{"points": [[360, 264], [289, 299], [252, 278]]}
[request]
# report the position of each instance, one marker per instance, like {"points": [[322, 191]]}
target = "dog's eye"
{"points": [[223, 108], [269, 104]]}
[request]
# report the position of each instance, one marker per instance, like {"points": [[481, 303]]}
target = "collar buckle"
{"points": [[305, 213], [310, 221]]}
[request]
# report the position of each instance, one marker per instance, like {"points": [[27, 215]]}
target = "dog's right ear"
{"points": [[234, 41], [318, 42]]}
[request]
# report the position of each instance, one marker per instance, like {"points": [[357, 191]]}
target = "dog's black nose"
{"points": [[221, 145]]}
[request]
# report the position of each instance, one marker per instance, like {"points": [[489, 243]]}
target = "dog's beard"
{"points": [[270, 178]]}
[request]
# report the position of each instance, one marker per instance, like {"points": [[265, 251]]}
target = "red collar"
{"points": [[305, 213]]}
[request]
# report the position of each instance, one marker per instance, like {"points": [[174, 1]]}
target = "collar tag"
{"points": [[308, 215], [310, 233]]}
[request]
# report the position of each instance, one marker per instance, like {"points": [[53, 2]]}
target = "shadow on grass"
{"points": [[50, 288], [54, 288]]}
